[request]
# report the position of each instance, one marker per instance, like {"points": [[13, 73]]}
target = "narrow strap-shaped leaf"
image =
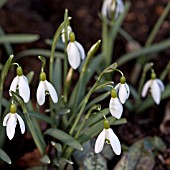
{"points": [[64, 137], [3, 76], [18, 38], [5, 157]]}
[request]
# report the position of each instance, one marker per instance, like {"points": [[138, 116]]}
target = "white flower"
{"points": [[43, 87], [10, 121], [75, 52], [123, 92], [111, 7], [20, 82], [156, 87], [115, 107], [109, 136], [69, 29]]}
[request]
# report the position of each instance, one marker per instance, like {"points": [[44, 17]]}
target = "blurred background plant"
{"points": [[54, 125]]}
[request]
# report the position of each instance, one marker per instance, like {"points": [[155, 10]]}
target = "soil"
{"points": [[43, 17]]}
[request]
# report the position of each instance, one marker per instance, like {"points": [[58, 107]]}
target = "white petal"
{"points": [[100, 142], [73, 55], [161, 85], [106, 8], [52, 91], [21, 123], [81, 50], [41, 93], [11, 124], [128, 90], [156, 92], [114, 141], [122, 93], [14, 84], [69, 29], [6, 119], [24, 90], [146, 86], [115, 108]]}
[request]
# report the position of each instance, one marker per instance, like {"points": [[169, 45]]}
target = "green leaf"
{"points": [[45, 159], [30, 76], [64, 137], [41, 116], [36, 52], [18, 38], [5, 157], [155, 48], [3, 76], [2, 3]]}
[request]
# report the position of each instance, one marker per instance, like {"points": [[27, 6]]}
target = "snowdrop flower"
{"points": [[107, 135], [75, 52], [156, 87], [123, 90], [69, 29], [43, 87], [115, 107], [20, 82], [112, 8], [10, 121]]}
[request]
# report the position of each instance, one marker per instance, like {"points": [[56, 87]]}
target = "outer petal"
{"points": [[128, 90], [41, 93], [6, 119], [114, 141], [105, 7], [123, 94], [119, 8], [14, 84], [24, 90], [146, 86], [73, 55], [115, 108], [81, 50], [100, 142], [52, 91], [21, 123], [156, 92], [161, 85], [11, 124], [69, 29]]}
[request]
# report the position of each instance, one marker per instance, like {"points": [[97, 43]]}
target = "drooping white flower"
{"points": [[156, 86], [44, 87], [123, 90], [75, 52], [112, 8], [69, 29], [10, 121], [107, 135], [115, 107], [20, 82]]}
